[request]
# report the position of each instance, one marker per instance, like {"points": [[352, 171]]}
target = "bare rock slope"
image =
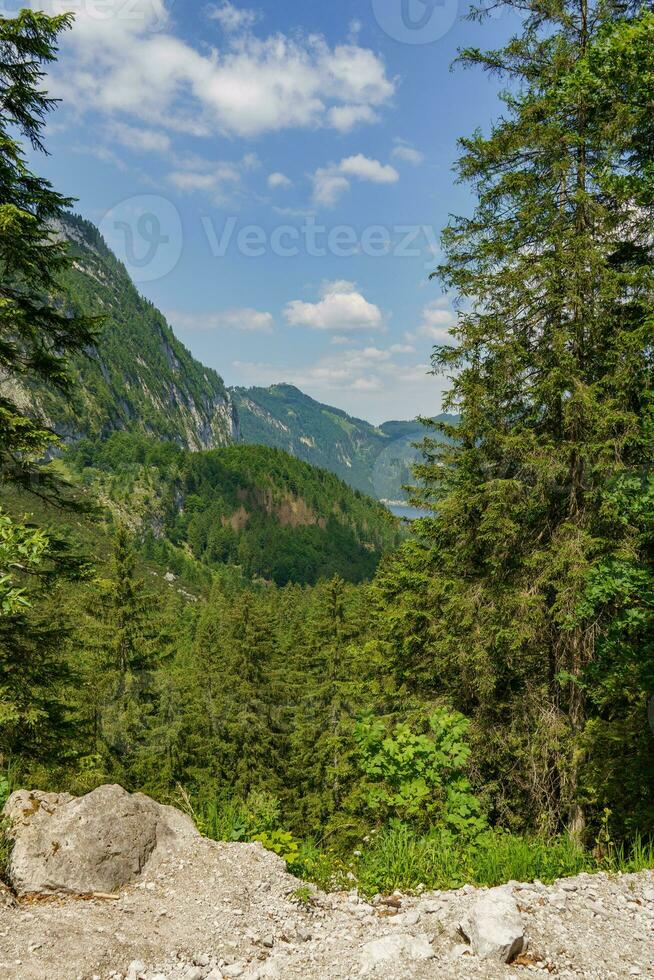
{"points": [[192, 909]]}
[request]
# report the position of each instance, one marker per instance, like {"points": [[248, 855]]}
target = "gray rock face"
{"points": [[95, 843], [494, 927]]}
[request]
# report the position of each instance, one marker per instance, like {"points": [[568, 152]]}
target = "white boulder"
{"points": [[494, 927]]}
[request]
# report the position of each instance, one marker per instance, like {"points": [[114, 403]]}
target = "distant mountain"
{"points": [[374, 459], [139, 377]]}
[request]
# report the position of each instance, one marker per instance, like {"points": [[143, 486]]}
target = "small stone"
{"points": [[558, 900], [569, 886], [268, 942], [430, 907], [233, 970], [202, 959], [406, 919]]}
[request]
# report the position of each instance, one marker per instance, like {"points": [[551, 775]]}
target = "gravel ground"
{"points": [[207, 910]]}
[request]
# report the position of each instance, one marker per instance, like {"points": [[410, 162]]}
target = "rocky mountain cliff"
{"points": [[139, 377]]}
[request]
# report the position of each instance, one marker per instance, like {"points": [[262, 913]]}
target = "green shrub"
{"points": [[419, 778]]}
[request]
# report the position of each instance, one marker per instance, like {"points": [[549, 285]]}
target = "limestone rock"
{"points": [[494, 927], [95, 843], [394, 949]]}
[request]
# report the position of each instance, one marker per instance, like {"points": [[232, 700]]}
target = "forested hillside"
{"points": [[375, 459], [253, 507], [136, 376]]}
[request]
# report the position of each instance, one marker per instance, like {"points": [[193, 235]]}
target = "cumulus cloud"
{"points": [[345, 117], [436, 324], [128, 62], [232, 18], [330, 183], [366, 169], [341, 308], [245, 320], [278, 180], [407, 153]]}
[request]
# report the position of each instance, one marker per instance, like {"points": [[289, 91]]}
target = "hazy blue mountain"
{"points": [[374, 459]]}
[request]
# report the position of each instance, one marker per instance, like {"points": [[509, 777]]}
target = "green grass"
{"points": [[398, 858]]}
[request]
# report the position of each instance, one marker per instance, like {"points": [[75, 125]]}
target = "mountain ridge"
{"points": [[140, 378], [376, 460]]}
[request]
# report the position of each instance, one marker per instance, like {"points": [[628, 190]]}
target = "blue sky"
{"points": [[276, 175]]}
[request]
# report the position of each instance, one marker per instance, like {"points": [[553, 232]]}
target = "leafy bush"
{"points": [[419, 778]]}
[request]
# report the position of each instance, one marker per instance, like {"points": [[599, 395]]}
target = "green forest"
{"points": [[242, 635]]}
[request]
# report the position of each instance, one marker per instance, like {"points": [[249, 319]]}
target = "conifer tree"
{"points": [[233, 647], [551, 375], [36, 337], [323, 738], [119, 690]]}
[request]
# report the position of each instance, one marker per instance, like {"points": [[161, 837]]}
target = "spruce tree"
{"points": [[37, 335], [121, 643], [322, 741], [551, 375]]}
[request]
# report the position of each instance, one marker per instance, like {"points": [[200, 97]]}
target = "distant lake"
{"points": [[406, 512]]}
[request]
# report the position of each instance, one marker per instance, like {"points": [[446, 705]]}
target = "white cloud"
{"points": [[128, 62], [278, 180], [330, 183], [140, 139], [245, 320], [199, 176], [402, 349], [366, 169], [233, 18], [436, 324], [404, 151], [345, 117], [328, 186], [341, 308]]}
